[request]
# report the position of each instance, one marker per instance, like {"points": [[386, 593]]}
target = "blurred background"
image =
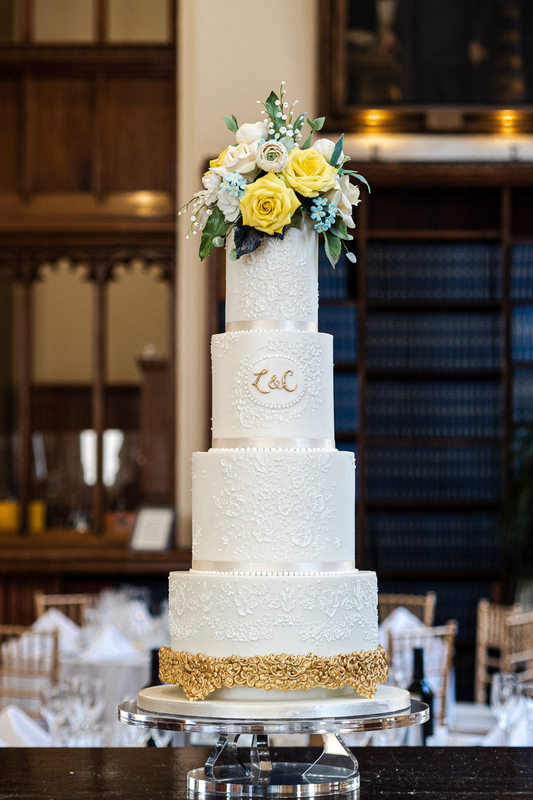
{"points": [[109, 111]]}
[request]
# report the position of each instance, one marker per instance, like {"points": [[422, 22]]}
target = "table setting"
{"points": [[100, 664]]}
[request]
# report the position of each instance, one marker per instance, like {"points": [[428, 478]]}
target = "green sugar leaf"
{"points": [[230, 123], [296, 219], [350, 256], [287, 142], [215, 227], [337, 150], [299, 121], [307, 144], [355, 175], [333, 247], [247, 239], [340, 231], [271, 107]]}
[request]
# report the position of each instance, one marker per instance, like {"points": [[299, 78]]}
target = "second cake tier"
{"points": [[273, 510], [273, 389]]}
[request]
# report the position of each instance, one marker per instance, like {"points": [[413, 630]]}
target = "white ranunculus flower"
{"points": [[229, 205], [271, 156], [325, 147], [239, 158], [211, 182], [344, 195], [250, 132]]}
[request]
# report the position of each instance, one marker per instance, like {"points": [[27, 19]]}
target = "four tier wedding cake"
{"points": [[274, 600]]}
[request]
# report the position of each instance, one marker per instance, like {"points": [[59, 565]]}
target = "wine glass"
{"points": [[53, 708], [75, 706], [527, 693], [162, 738], [506, 701], [389, 737], [93, 700], [133, 737]]}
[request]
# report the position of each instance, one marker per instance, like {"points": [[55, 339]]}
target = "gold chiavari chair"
{"points": [[517, 650], [421, 605], [29, 660], [74, 606], [490, 641], [439, 647]]}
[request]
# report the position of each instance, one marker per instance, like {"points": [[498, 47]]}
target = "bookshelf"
{"points": [[443, 290], [433, 354]]}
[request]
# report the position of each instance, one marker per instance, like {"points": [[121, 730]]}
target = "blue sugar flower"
{"points": [[325, 219], [234, 184], [318, 212], [332, 211]]}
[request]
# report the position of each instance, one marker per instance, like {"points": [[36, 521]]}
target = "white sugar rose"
{"points": [[326, 147], [251, 132], [239, 158], [211, 182], [344, 195], [271, 156], [228, 204]]}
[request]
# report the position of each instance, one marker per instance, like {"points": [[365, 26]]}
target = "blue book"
{"points": [[332, 283], [433, 271], [522, 334]]}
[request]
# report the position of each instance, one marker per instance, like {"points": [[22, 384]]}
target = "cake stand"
{"points": [[227, 773]]}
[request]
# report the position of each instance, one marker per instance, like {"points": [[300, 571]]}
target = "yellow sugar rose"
{"points": [[268, 204], [308, 172], [218, 162]]}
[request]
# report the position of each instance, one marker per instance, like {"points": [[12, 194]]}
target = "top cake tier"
{"points": [[276, 286]]}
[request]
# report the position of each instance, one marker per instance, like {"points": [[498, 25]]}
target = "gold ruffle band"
{"points": [[198, 675]]}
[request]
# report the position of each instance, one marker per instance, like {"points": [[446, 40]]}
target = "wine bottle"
{"points": [[419, 690], [154, 668], [154, 681]]}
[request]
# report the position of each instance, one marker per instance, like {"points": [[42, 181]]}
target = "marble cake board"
{"points": [[169, 699]]}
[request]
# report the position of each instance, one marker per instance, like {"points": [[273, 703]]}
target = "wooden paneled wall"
{"points": [[87, 120], [87, 137]]}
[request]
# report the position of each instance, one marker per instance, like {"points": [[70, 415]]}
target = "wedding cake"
{"points": [[274, 601]]}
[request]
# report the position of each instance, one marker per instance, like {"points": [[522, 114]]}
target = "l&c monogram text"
{"points": [[274, 382]]}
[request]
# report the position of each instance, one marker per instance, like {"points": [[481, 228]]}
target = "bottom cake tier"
{"points": [[273, 632]]}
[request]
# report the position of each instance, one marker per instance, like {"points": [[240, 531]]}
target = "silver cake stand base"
{"points": [[231, 771]]}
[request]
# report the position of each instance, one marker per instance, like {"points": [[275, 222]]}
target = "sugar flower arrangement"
{"points": [[264, 183]]}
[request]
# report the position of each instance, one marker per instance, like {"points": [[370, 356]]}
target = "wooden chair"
{"points": [[29, 660], [491, 636], [517, 650], [401, 646], [74, 606], [421, 605]]}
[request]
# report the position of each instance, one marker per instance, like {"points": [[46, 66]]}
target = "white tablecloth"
{"points": [[122, 678]]}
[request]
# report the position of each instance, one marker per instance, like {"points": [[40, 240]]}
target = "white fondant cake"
{"points": [[273, 600], [286, 292], [298, 504], [273, 567], [243, 615], [272, 384]]}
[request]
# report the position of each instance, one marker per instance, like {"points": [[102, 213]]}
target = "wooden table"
{"points": [[468, 773]]}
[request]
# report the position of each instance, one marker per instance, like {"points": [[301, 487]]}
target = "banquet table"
{"points": [[425, 773]]}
